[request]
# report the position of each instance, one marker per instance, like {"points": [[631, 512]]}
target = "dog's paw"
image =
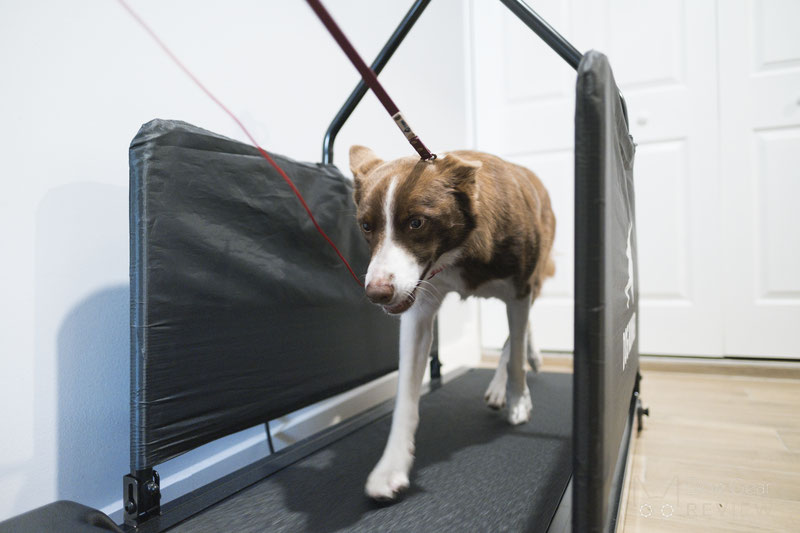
{"points": [[386, 484], [495, 396], [519, 407]]}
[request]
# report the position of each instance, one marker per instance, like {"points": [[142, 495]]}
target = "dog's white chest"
{"points": [[450, 280]]}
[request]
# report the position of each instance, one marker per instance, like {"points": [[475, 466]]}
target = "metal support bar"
{"points": [[522, 10], [436, 365], [555, 40], [269, 438], [546, 32], [641, 410], [377, 66]]}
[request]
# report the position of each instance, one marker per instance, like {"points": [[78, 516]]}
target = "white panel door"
{"points": [[524, 112], [760, 163], [664, 58]]}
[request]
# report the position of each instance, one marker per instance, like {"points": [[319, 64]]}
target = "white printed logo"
{"points": [[629, 334], [629, 286], [628, 337]]}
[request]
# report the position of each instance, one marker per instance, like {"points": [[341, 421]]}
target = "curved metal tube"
{"points": [[361, 89], [546, 32]]}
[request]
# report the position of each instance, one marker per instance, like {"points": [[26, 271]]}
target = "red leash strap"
{"points": [[370, 78], [246, 132]]}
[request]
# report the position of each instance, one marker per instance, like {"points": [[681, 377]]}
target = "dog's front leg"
{"points": [[518, 397], [495, 395], [390, 475]]}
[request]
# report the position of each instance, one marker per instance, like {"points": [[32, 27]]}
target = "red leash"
{"points": [[246, 132], [370, 79]]}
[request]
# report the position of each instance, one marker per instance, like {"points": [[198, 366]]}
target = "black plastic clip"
{"points": [[141, 496], [641, 411], [436, 367]]}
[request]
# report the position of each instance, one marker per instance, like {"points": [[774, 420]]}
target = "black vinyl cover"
{"points": [[62, 516], [240, 311], [606, 291]]}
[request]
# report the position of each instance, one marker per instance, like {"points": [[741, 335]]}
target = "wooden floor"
{"points": [[718, 453], [720, 450]]}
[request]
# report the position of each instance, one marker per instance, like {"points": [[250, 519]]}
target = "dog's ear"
{"points": [[362, 162], [460, 172]]}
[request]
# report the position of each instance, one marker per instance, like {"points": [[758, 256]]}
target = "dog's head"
{"points": [[411, 213]]}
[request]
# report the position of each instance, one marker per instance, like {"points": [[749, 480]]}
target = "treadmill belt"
{"points": [[473, 472]]}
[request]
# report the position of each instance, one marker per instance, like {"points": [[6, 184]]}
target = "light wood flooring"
{"points": [[718, 453], [720, 450]]}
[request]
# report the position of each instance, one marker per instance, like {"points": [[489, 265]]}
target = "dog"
{"points": [[467, 222]]}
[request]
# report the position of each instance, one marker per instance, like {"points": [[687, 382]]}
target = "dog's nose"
{"points": [[380, 291]]}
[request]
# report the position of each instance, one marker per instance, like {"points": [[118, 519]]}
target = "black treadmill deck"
{"points": [[473, 472]]}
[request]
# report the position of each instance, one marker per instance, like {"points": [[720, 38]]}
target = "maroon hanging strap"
{"points": [[370, 79]]}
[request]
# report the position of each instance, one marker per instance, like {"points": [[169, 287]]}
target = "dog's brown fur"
{"points": [[496, 212]]}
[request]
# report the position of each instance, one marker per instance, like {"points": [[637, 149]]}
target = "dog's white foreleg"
{"points": [[495, 395], [518, 397], [390, 475]]}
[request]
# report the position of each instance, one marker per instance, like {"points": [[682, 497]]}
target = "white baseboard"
{"points": [[306, 422]]}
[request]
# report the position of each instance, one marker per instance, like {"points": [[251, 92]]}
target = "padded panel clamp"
{"points": [[142, 496]]}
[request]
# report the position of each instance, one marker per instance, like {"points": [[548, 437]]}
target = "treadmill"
{"points": [[239, 317]]}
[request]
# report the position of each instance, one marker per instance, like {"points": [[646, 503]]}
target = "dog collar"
{"points": [[436, 271]]}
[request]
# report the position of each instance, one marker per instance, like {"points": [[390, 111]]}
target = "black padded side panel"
{"points": [[241, 312], [606, 290]]}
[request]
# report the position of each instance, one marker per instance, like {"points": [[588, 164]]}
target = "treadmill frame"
{"points": [[141, 490]]}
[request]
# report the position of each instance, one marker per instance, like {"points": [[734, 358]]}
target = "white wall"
{"points": [[78, 80]]}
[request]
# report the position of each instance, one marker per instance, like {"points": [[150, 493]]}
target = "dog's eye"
{"points": [[415, 223], [366, 227]]}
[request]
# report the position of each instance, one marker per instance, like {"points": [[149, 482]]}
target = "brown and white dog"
{"points": [[467, 222]]}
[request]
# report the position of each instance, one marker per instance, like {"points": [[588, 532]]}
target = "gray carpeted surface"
{"points": [[474, 472]]}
